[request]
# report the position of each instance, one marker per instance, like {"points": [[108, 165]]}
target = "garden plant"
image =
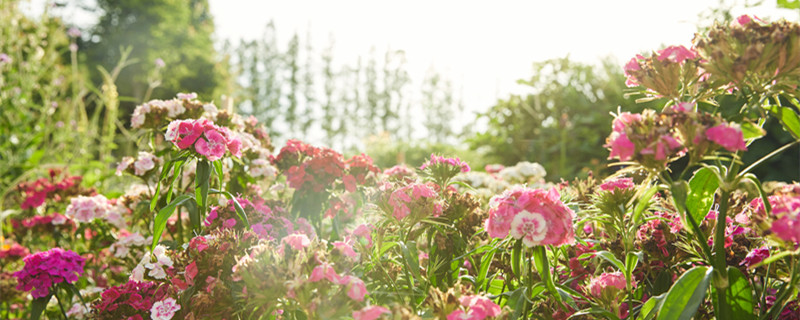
{"points": [[217, 223]]}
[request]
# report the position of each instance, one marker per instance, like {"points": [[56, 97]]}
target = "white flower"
{"points": [[164, 310], [124, 164], [530, 227], [77, 311], [144, 163]]}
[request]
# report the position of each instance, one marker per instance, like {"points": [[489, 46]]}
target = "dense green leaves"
{"points": [[739, 295]]}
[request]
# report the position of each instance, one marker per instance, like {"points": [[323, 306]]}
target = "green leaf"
{"points": [[218, 168], [160, 222], [752, 131], [631, 261], [177, 172], [680, 190], [38, 306], [517, 301], [686, 294], [740, 295], [239, 210], [597, 311], [608, 256], [650, 308], [411, 258], [543, 266], [789, 4], [702, 188], [486, 261], [788, 119], [516, 256]]}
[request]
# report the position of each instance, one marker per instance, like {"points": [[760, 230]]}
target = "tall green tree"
{"points": [[562, 123], [176, 31]]}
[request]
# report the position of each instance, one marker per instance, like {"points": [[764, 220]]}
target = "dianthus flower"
{"points": [[164, 309], [755, 256], [607, 284], [620, 183], [370, 313], [534, 215], [44, 269], [728, 136], [479, 308], [416, 195], [85, 209]]}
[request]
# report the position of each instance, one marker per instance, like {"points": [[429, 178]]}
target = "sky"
{"points": [[482, 46]]}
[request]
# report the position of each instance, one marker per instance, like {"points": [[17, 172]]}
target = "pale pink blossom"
{"points": [[676, 54], [164, 309], [370, 313], [356, 287], [324, 271], [346, 249], [607, 283], [297, 241], [144, 162], [124, 164], [530, 227], [187, 96]]}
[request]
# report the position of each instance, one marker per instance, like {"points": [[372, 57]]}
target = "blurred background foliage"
{"points": [[66, 97]]}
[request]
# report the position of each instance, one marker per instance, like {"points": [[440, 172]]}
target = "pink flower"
{"points": [[356, 288], [728, 136], [623, 120], [164, 309], [124, 164], [235, 147], [230, 223], [630, 67], [370, 313], [755, 256], [544, 218], [346, 249], [480, 306], [499, 222], [620, 183], [297, 241], [745, 19], [676, 54], [608, 283], [144, 163], [187, 133], [191, 272], [349, 183], [364, 231], [187, 96], [324, 271], [621, 146], [214, 147]]}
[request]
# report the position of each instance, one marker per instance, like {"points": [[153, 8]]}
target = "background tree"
{"points": [[154, 29]]}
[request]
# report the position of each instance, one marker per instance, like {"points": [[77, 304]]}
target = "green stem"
{"points": [[64, 313]]}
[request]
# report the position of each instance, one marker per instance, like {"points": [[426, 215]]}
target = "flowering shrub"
{"points": [[219, 227]]}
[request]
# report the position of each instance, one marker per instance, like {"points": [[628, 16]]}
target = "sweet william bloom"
{"points": [[297, 241], [621, 183], [145, 162], [356, 288], [755, 256], [676, 54], [44, 269], [530, 227], [621, 146], [324, 271], [164, 309], [370, 313], [607, 283], [187, 96], [213, 147], [480, 306], [728, 136]]}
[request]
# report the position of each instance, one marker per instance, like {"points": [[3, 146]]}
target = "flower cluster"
{"points": [[125, 241], [751, 53], [207, 139], [665, 72], [263, 221], [85, 209], [536, 216], [35, 193], [43, 224], [142, 164], [417, 196], [132, 300], [652, 138], [44, 269], [158, 269], [11, 252], [155, 113], [784, 221]]}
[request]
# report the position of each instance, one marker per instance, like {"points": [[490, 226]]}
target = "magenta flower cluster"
{"points": [[44, 269], [207, 138]]}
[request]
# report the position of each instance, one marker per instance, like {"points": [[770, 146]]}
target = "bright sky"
{"points": [[482, 47]]}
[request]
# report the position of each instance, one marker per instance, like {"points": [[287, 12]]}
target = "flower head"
{"points": [[43, 269]]}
